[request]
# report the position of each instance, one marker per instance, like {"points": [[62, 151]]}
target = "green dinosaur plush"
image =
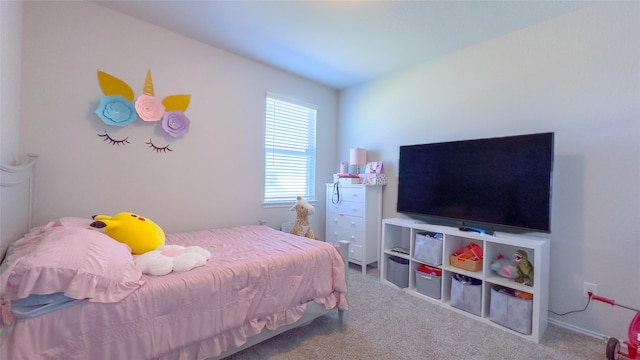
{"points": [[525, 269]]}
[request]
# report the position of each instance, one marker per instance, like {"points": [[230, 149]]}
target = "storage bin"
{"points": [[398, 271], [469, 257], [466, 295], [428, 249], [510, 311], [469, 265], [429, 283]]}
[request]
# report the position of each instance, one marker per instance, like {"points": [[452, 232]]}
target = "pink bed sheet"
{"points": [[257, 277]]}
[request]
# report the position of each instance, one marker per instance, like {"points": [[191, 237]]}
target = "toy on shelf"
{"points": [[525, 269], [513, 292], [468, 257], [504, 267]]}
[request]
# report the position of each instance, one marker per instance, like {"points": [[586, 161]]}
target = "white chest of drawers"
{"points": [[354, 213]]}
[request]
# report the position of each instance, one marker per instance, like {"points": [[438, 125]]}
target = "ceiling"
{"points": [[343, 43]]}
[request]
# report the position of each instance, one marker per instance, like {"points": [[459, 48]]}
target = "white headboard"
{"points": [[16, 201]]}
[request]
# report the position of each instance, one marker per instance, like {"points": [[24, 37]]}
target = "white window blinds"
{"points": [[290, 150]]}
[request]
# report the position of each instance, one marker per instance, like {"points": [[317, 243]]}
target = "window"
{"points": [[290, 150]]}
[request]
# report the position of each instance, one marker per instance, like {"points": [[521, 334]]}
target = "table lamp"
{"points": [[357, 159]]}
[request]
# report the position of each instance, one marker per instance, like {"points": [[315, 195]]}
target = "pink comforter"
{"points": [[256, 277]]}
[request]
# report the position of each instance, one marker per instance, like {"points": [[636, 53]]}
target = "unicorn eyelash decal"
{"points": [[158, 149], [112, 141]]}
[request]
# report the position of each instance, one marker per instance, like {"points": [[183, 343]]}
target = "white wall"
{"points": [[11, 40], [578, 76], [214, 175]]}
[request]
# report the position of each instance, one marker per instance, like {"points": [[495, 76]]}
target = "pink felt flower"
{"points": [[149, 108], [175, 123]]}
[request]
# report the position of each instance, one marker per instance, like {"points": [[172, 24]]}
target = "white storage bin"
{"points": [[466, 296], [511, 312], [428, 250]]}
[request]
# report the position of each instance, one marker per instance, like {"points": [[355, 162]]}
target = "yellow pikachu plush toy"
{"points": [[140, 233]]}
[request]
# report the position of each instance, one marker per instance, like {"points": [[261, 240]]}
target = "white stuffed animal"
{"points": [[168, 258]]}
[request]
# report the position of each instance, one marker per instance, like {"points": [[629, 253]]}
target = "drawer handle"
{"points": [[353, 237], [353, 223]]}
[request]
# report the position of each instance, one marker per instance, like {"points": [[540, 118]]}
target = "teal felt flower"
{"points": [[116, 110]]}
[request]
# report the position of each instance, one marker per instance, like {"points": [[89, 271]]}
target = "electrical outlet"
{"points": [[589, 288]]}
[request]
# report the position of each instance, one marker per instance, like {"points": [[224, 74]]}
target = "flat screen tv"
{"points": [[501, 183]]}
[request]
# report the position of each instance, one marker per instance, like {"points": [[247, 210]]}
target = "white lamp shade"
{"points": [[358, 156]]}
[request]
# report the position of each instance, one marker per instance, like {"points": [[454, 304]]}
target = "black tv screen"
{"points": [[485, 183]]}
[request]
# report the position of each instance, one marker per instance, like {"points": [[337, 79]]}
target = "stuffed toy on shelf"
{"points": [[504, 267], [525, 269]]}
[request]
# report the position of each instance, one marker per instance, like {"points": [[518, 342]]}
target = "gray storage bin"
{"points": [[511, 311], [466, 296], [428, 284], [398, 271], [428, 249]]}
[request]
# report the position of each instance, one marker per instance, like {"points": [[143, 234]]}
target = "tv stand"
{"points": [[401, 233]]}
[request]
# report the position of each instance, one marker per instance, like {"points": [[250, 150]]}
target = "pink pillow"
{"points": [[65, 256], [71, 222]]}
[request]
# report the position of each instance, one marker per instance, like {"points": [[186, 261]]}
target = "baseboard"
{"points": [[578, 329], [604, 338]]}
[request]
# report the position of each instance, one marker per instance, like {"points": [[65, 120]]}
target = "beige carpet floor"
{"points": [[386, 323]]}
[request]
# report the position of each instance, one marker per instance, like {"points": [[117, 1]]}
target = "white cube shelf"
{"points": [[400, 233]]}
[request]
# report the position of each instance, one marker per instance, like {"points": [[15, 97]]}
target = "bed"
{"points": [[259, 282]]}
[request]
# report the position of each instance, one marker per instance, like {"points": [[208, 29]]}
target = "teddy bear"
{"points": [[303, 209]]}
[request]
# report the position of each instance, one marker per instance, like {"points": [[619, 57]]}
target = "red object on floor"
{"points": [[634, 332]]}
